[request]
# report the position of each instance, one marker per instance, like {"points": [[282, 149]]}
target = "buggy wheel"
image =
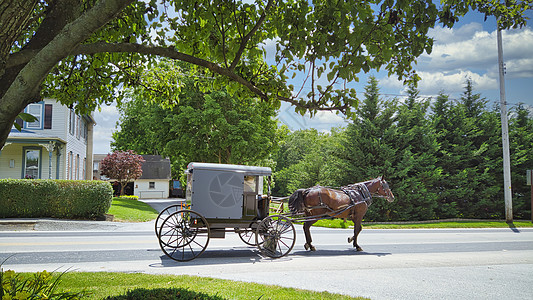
{"points": [[163, 215], [247, 235], [275, 236], [184, 235]]}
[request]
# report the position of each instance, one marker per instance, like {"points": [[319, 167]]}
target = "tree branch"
{"points": [[247, 37]]}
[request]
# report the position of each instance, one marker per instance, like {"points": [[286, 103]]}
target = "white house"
{"points": [[59, 145], [153, 183], [155, 180]]}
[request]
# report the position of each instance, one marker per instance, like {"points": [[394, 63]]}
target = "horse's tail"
{"points": [[296, 201]]}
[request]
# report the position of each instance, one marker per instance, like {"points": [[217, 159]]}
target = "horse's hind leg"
{"points": [[308, 239]]}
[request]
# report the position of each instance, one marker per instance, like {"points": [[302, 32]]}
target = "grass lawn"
{"points": [[131, 210], [109, 284], [447, 224]]}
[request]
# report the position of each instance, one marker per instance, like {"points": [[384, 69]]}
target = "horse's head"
{"points": [[384, 189]]}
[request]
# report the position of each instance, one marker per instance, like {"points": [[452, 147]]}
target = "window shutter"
{"points": [[48, 116]]}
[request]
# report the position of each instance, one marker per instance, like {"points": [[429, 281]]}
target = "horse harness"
{"points": [[358, 193]]}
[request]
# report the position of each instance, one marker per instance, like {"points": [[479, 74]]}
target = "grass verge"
{"points": [[131, 210], [337, 223], [110, 284]]}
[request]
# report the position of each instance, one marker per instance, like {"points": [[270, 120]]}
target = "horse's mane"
{"points": [[296, 201]]}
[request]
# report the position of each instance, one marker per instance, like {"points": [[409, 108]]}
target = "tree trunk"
{"points": [[122, 187], [24, 86], [14, 17]]}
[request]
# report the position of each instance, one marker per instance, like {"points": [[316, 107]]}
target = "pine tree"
{"points": [[416, 169], [369, 147], [521, 144]]}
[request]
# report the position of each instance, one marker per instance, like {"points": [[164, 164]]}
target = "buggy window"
{"points": [[250, 184]]}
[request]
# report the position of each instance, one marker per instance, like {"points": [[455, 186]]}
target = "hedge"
{"points": [[164, 293], [65, 199]]}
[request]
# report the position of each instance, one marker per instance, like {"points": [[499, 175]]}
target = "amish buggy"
{"points": [[222, 198]]}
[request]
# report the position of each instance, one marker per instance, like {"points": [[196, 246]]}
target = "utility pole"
{"points": [[505, 135]]}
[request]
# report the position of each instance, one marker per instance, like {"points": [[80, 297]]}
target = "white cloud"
{"points": [[477, 51], [444, 35], [470, 52], [106, 120]]}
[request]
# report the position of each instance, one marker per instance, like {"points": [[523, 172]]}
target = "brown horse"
{"points": [[350, 202]]}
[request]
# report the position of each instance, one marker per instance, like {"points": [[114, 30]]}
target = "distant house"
{"points": [[155, 180], [59, 145], [97, 158]]}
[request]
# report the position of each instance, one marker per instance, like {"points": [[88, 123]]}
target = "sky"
{"points": [[468, 50]]}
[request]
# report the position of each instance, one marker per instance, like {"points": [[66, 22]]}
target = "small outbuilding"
{"points": [[155, 180]]}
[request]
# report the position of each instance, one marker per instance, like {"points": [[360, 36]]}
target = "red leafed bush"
{"points": [[123, 166]]}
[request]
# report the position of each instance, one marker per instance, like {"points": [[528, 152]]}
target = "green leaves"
{"points": [[24, 117], [202, 124]]}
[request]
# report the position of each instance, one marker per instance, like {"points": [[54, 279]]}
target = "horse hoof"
{"points": [[309, 247], [350, 239], [359, 249]]}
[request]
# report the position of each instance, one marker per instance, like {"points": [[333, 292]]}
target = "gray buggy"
{"points": [[223, 198]]}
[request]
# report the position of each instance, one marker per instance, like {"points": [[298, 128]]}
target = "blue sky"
{"points": [[467, 50]]}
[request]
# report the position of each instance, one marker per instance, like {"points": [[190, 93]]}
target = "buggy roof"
{"points": [[247, 170]]}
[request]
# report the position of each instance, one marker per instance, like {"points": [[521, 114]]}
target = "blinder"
{"points": [[385, 185]]}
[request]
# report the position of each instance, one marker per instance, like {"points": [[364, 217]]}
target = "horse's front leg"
{"points": [[357, 218], [356, 229], [308, 239]]}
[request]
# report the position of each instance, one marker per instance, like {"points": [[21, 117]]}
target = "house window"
{"points": [[72, 122], [77, 167], [96, 166], [32, 163], [78, 125], [151, 185], [48, 116], [35, 110], [69, 167]]}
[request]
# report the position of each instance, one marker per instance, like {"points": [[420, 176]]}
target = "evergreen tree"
{"points": [[521, 146], [416, 171], [369, 147], [468, 156]]}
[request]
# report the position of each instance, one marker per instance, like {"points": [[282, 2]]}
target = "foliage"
{"points": [[441, 157], [80, 51], [521, 145], [201, 126], [123, 166], [305, 159], [40, 285], [54, 198], [168, 293]]}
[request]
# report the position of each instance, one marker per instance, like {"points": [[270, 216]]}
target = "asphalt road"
{"points": [[396, 264]]}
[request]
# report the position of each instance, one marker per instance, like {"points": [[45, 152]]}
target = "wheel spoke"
{"points": [[278, 236], [184, 235]]}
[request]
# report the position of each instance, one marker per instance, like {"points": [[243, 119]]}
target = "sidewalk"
{"points": [[50, 224]]}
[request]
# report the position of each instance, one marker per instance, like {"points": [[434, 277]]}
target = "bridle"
{"points": [[386, 189]]}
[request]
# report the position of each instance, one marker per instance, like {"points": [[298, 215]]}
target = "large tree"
{"points": [[81, 51], [209, 127]]}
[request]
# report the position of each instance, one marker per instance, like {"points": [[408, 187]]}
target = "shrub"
{"points": [[54, 198], [164, 294]]}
